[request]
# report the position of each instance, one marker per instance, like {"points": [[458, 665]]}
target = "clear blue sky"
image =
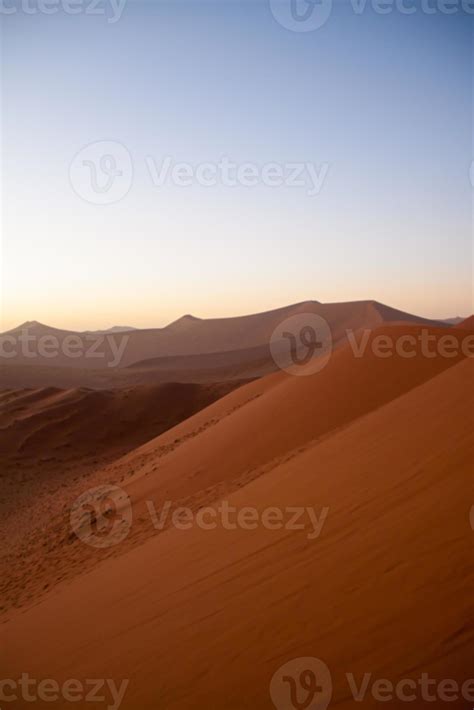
{"points": [[384, 100]]}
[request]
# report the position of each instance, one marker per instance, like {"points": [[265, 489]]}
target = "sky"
{"points": [[370, 114]]}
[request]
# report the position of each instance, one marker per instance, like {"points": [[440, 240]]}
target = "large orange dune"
{"points": [[63, 439], [264, 420], [378, 447], [204, 618]]}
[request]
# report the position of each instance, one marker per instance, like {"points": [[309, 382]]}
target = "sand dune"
{"points": [[195, 336], [218, 449], [466, 324], [231, 366], [35, 422], [208, 616], [378, 447], [52, 439], [270, 417]]}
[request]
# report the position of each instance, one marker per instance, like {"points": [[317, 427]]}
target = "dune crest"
{"points": [[195, 336]]}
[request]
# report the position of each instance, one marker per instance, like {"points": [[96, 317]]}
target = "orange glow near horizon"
{"points": [[158, 313]]}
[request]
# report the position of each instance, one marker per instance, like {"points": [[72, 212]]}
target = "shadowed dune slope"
{"points": [[231, 366], [34, 422], [49, 435], [208, 616]]}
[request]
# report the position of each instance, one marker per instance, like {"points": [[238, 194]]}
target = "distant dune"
{"points": [[114, 329], [467, 324], [231, 366], [220, 349], [453, 321]]}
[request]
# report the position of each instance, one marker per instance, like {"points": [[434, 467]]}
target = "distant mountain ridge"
{"points": [[453, 321], [192, 336], [34, 326]]}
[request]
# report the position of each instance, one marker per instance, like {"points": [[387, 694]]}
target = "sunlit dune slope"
{"points": [[269, 418], [208, 616]]}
